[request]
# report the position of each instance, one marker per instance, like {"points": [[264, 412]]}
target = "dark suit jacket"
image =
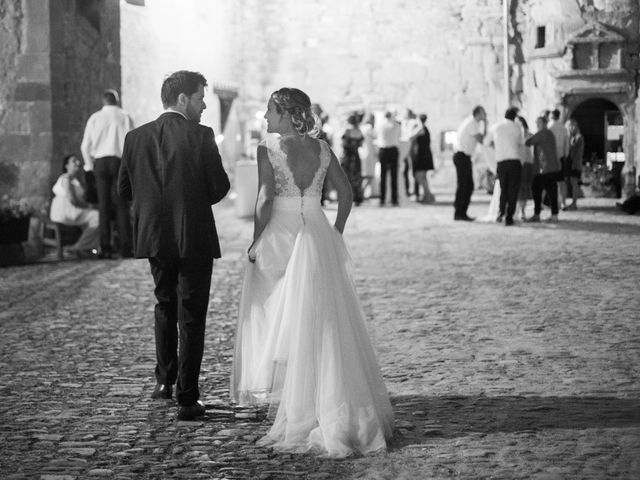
{"points": [[172, 172]]}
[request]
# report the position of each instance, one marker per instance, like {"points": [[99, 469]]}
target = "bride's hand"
{"points": [[251, 254]]}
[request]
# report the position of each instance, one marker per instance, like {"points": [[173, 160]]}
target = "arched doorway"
{"points": [[602, 125]]}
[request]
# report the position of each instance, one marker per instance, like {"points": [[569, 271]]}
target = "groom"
{"points": [[172, 171]]}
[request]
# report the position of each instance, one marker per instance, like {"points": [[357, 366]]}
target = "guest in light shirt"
{"points": [[507, 139], [388, 143], [102, 151], [469, 135]]}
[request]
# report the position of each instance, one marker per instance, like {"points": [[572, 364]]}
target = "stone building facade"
{"points": [[441, 58], [437, 57], [56, 58]]}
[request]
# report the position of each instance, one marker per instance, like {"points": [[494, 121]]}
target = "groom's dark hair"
{"points": [[180, 82]]}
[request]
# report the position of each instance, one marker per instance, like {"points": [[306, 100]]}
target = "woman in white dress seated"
{"points": [[301, 343], [69, 207]]}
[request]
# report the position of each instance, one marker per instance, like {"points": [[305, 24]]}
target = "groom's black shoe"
{"points": [[189, 412], [162, 391]]}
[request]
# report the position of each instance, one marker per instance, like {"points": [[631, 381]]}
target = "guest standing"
{"points": [[352, 139], [526, 178], [325, 134], [507, 140], [422, 160], [102, 151], [546, 169], [562, 150], [388, 142], [470, 133], [409, 127], [368, 153], [574, 163]]}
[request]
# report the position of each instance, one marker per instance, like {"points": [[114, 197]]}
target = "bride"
{"points": [[301, 341]]}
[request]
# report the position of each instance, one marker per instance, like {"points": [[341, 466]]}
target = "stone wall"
{"points": [[442, 58], [365, 55], [85, 60], [57, 56], [437, 57], [25, 123], [541, 69]]}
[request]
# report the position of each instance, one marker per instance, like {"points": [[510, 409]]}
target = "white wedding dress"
{"points": [[301, 341]]}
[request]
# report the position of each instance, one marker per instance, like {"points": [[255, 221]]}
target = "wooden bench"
{"points": [[58, 235]]}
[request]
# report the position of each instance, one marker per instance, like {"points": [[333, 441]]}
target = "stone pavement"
{"points": [[509, 353]]}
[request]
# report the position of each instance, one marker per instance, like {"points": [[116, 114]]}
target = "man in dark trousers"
{"points": [[470, 133], [101, 148], [508, 141], [172, 172], [546, 168]]}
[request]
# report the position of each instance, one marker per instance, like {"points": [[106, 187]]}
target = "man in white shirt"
{"points": [[388, 153], [507, 140], [102, 151], [469, 134]]}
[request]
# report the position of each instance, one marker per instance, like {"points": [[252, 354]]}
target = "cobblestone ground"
{"points": [[509, 353]]}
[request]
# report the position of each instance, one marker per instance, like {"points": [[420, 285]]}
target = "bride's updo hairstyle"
{"points": [[298, 104]]}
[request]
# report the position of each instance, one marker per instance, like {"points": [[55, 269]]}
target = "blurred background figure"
{"points": [[352, 139], [546, 170], [469, 135], [422, 161], [69, 207], [388, 153], [102, 144], [562, 150], [326, 135], [368, 155], [573, 170], [409, 127], [526, 157]]}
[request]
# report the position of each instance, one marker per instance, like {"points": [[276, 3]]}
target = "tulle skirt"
{"points": [[301, 341]]}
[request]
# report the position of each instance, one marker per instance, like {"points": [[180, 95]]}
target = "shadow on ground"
{"points": [[589, 226], [420, 418]]}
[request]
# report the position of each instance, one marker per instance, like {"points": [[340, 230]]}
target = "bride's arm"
{"points": [[264, 201], [339, 181]]}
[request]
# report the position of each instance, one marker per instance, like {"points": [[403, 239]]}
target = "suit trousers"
{"points": [[464, 171], [509, 174], [106, 174], [548, 183], [182, 291], [389, 163]]}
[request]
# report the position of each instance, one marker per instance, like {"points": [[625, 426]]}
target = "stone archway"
{"points": [[602, 123], [594, 116]]}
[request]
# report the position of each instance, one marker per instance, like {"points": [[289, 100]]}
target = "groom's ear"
{"points": [[182, 99]]}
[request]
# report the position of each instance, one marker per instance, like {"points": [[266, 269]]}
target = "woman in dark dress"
{"points": [[422, 161], [351, 140]]}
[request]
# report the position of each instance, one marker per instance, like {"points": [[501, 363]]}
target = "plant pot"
{"points": [[14, 230]]}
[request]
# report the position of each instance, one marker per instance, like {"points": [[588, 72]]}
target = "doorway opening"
{"points": [[602, 126]]}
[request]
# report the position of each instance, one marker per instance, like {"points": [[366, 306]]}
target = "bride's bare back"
{"points": [[303, 159]]}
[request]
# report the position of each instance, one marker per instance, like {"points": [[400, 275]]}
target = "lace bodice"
{"points": [[285, 185]]}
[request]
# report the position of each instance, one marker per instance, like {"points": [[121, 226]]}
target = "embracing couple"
{"points": [[301, 342]]}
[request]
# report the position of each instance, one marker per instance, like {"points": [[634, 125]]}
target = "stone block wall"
{"points": [[442, 58], [56, 58]]}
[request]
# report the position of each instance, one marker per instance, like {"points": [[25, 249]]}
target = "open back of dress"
{"points": [[301, 342]]}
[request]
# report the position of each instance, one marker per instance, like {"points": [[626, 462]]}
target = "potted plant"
{"points": [[14, 220]]}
